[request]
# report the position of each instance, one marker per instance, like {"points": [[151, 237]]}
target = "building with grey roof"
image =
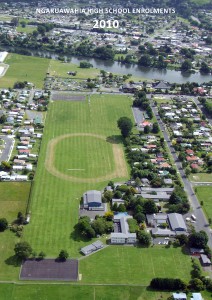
{"points": [[92, 247], [177, 222], [121, 234], [179, 296], [205, 261], [92, 200]]}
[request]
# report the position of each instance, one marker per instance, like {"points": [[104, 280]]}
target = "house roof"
{"points": [[92, 196], [162, 85], [176, 221], [196, 296], [205, 259], [178, 296]]}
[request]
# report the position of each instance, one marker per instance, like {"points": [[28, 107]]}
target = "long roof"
{"points": [[176, 221]]}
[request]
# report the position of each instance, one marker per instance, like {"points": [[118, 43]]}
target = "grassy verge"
{"points": [[204, 193]]}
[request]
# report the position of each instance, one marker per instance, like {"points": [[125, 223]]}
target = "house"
{"points": [[177, 222], [192, 158], [92, 200], [189, 152], [92, 248], [162, 86], [121, 234], [196, 251], [179, 296], [117, 201], [205, 261], [196, 296], [168, 181]]}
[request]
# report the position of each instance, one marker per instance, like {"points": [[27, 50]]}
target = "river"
{"points": [[137, 71]]}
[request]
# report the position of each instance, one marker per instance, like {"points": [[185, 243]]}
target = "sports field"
{"points": [[14, 196], [85, 135], [24, 68], [131, 265], [204, 193], [58, 68]]}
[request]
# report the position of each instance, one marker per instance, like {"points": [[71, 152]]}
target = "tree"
{"points": [[63, 255], [204, 68], [125, 125], [144, 237], [186, 65], [41, 255], [197, 284], [150, 207], [140, 217], [3, 224], [147, 129], [198, 239], [145, 60], [23, 250], [155, 128], [20, 218]]}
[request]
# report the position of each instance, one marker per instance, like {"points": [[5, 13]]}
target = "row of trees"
{"points": [[23, 250]]}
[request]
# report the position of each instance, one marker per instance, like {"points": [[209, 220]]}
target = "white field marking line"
{"points": [[76, 169]]}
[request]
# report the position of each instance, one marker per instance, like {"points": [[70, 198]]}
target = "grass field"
{"points": [[24, 68], [55, 292], [55, 201], [14, 196], [27, 29], [82, 149], [58, 68], [204, 193], [200, 177], [131, 265]]}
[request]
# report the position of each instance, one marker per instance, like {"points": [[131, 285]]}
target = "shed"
{"points": [[205, 261], [179, 296]]}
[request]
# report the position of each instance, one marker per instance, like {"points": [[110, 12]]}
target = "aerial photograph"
{"points": [[106, 150]]}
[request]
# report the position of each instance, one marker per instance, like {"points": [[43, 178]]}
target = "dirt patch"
{"points": [[120, 164]]}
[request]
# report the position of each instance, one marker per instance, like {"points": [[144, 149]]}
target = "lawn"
{"points": [[55, 200], [54, 292], [204, 193], [58, 68], [26, 29], [14, 196], [24, 68], [131, 265], [67, 291], [200, 177]]}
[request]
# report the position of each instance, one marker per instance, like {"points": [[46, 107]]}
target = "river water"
{"points": [[124, 69]]}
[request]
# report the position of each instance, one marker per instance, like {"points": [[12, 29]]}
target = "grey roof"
{"points": [[87, 249], [92, 247], [92, 196], [167, 180], [176, 221], [205, 259], [124, 228], [157, 190], [160, 196], [162, 232], [98, 244], [162, 85], [197, 250], [178, 296], [196, 296]]}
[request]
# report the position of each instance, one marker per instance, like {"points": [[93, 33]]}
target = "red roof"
{"points": [[194, 166], [192, 158], [189, 151]]}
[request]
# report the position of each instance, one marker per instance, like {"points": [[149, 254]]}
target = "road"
{"points": [[8, 147], [202, 223]]}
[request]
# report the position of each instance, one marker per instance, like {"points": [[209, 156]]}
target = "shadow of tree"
{"points": [[115, 139], [77, 236], [13, 261]]}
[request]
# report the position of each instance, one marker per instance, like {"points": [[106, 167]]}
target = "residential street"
{"points": [[8, 147], [201, 223]]}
